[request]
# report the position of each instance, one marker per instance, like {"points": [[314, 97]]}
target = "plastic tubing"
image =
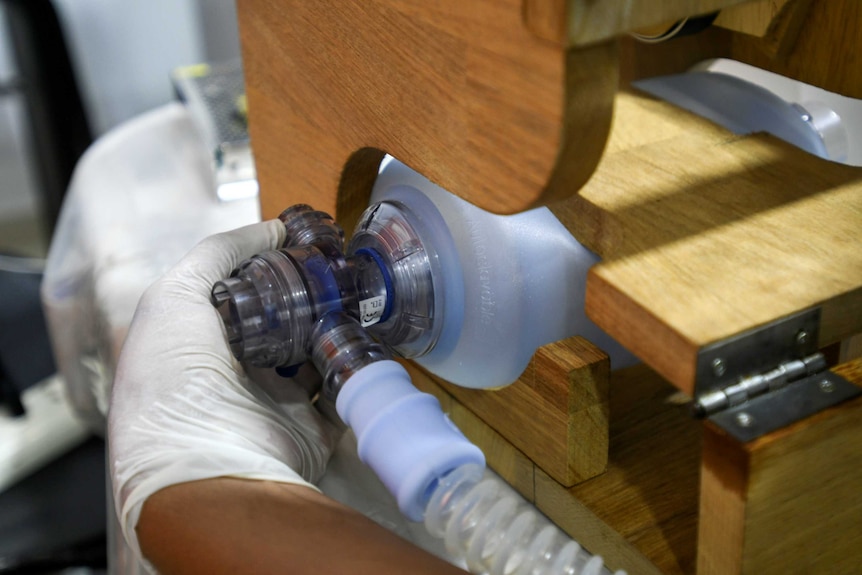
{"points": [[432, 470], [497, 533]]}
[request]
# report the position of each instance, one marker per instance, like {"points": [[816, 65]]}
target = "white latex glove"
{"points": [[183, 408]]}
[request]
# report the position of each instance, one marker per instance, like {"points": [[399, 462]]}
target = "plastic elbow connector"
{"points": [[402, 434], [385, 280]]}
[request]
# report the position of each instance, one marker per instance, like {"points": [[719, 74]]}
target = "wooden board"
{"points": [[802, 39], [706, 235], [561, 420], [805, 40], [755, 18], [641, 514], [787, 502], [471, 94], [512, 465], [462, 92], [823, 53]]}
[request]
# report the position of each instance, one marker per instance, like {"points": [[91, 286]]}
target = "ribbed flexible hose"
{"points": [[430, 467], [496, 533]]}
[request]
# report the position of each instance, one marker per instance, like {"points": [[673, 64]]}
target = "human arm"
{"points": [[211, 468], [229, 525]]}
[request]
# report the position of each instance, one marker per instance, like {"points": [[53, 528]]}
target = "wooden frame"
{"points": [[704, 235]]}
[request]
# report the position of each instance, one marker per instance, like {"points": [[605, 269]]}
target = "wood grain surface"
{"points": [[754, 18], [462, 92], [814, 42], [706, 234], [561, 420], [787, 502], [641, 514], [823, 53], [811, 41]]}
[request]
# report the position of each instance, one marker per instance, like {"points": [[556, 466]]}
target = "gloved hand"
{"points": [[183, 409]]}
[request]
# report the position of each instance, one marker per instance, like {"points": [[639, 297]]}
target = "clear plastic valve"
{"points": [[271, 302]]}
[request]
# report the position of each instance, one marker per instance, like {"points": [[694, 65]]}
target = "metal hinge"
{"points": [[767, 378]]}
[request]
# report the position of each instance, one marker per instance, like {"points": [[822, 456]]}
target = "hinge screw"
{"points": [[719, 368], [802, 337], [744, 419], [826, 386]]}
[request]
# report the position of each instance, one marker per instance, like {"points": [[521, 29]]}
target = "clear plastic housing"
{"points": [[431, 468], [270, 303], [265, 327], [305, 226], [340, 348], [510, 284], [392, 232]]}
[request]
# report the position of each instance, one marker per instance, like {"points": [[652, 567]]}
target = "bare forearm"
{"points": [[227, 525]]}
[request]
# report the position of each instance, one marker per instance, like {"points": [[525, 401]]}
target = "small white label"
{"points": [[371, 310]]}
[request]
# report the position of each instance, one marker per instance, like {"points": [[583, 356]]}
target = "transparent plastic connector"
{"points": [[480, 520], [340, 348], [305, 226], [391, 232], [271, 302]]}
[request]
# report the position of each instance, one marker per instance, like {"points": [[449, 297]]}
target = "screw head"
{"points": [[719, 368], [744, 419], [826, 386], [802, 337]]}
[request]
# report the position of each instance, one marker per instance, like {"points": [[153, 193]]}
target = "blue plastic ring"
{"points": [[387, 279]]}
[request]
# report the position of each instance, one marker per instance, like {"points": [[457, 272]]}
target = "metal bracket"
{"points": [[767, 413], [767, 378]]}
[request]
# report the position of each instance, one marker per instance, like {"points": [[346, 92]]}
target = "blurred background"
{"points": [[70, 71], [120, 56]]}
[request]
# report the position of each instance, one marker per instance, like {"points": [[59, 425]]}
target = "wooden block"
{"points": [[463, 92], [641, 514], [851, 348], [794, 490], [556, 414], [787, 502], [509, 463], [707, 235], [557, 411]]}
